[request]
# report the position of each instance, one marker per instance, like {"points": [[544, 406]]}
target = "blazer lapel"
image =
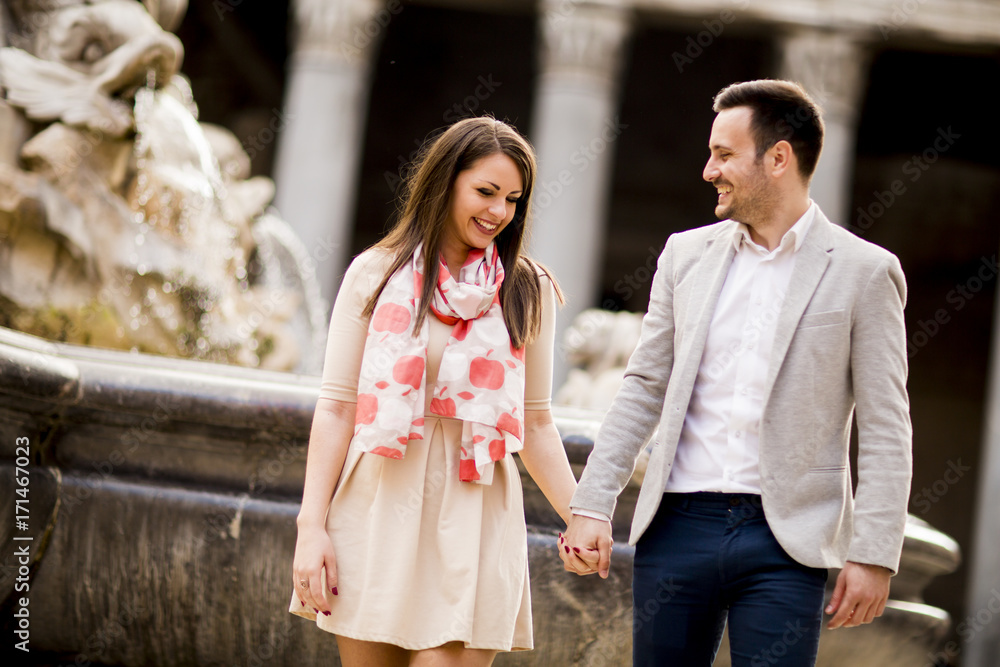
{"points": [[711, 275], [810, 265]]}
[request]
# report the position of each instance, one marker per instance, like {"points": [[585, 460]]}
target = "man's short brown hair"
{"points": [[782, 110]]}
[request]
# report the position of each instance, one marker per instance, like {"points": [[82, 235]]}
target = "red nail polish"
{"points": [[302, 602], [567, 549], [315, 610], [576, 549], [326, 613], [334, 590]]}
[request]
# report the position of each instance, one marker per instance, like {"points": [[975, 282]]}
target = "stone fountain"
{"points": [[163, 496], [125, 223]]}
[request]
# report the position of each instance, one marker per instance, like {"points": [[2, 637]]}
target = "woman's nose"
{"points": [[498, 208]]}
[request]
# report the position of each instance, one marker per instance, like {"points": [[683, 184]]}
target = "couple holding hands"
{"points": [[767, 333]]}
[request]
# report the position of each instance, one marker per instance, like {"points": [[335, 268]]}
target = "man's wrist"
{"points": [[591, 514], [874, 566]]}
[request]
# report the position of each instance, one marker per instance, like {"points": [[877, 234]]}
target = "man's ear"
{"points": [[782, 158]]}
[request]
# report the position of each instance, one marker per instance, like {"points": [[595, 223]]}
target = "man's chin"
{"points": [[721, 212]]}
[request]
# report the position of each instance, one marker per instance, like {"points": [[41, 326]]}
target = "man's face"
{"points": [[745, 192]]}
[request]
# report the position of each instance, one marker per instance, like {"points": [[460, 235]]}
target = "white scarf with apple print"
{"points": [[481, 376]]}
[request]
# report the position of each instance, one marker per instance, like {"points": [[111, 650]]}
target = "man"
{"points": [[765, 334]]}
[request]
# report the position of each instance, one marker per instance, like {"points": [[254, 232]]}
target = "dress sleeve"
{"points": [[345, 344], [538, 353]]}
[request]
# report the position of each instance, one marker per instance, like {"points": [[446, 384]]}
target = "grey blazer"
{"points": [[839, 349]]}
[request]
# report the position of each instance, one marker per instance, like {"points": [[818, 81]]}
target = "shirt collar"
{"points": [[796, 235]]}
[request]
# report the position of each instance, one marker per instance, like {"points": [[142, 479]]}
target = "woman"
{"points": [[438, 367]]}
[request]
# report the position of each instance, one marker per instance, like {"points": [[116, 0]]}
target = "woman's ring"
{"points": [[303, 583]]}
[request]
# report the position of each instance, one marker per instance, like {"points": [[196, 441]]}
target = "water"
{"points": [[185, 235]]}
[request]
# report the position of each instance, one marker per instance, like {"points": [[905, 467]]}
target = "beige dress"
{"points": [[423, 558]]}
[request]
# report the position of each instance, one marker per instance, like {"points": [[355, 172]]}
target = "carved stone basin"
{"points": [[161, 523]]}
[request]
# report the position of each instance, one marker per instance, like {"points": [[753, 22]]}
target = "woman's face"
{"points": [[483, 201]]}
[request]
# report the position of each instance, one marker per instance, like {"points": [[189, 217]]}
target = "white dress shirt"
{"points": [[719, 446]]}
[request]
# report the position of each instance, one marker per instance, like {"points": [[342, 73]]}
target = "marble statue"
{"points": [[598, 344], [124, 222]]}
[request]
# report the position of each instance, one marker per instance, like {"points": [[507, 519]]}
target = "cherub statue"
{"points": [[599, 343], [124, 222]]}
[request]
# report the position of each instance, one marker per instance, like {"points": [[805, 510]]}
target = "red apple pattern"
{"points": [[391, 317], [486, 373], [409, 370]]}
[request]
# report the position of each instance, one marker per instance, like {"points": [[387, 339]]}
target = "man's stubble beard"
{"points": [[755, 207]]}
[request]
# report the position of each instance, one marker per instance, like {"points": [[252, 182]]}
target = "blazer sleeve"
{"points": [[635, 411], [878, 373]]}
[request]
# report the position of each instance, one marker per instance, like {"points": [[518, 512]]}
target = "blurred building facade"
{"points": [[332, 98]]}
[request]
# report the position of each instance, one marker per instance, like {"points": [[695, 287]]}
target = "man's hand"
{"points": [[860, 595], [586, 546]]}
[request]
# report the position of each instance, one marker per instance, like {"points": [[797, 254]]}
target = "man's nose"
{"points": [[711, 172]]}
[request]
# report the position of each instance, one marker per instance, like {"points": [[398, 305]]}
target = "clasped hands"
{"points": [[585, 547]]}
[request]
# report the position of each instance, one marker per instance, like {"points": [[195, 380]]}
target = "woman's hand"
{"points": [[313, 557], [329, 440], [586, 546]]}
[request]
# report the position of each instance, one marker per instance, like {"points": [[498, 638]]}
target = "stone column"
{"points": [[318, 158], [982, 612], [574, 129], [833, 67]]}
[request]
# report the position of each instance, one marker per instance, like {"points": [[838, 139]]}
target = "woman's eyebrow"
{"points": [[497, 187]]}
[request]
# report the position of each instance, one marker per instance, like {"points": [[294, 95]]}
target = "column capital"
{"points": [[831, 64], [584, 39], [340, 30]]}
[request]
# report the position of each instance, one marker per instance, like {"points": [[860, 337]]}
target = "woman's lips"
{"points": [[486, 227]]}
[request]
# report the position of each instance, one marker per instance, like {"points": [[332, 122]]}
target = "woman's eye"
{"points": [[485, 192], [514, 200]]}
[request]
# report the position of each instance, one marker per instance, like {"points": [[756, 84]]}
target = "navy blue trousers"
{"points": [[708, 559]]}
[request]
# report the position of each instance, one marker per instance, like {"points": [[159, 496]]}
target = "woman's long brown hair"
{"points": [[424, 215]]}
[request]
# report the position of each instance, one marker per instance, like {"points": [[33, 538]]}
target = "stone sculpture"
{"points": [[124, 222], [598, 343]]}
